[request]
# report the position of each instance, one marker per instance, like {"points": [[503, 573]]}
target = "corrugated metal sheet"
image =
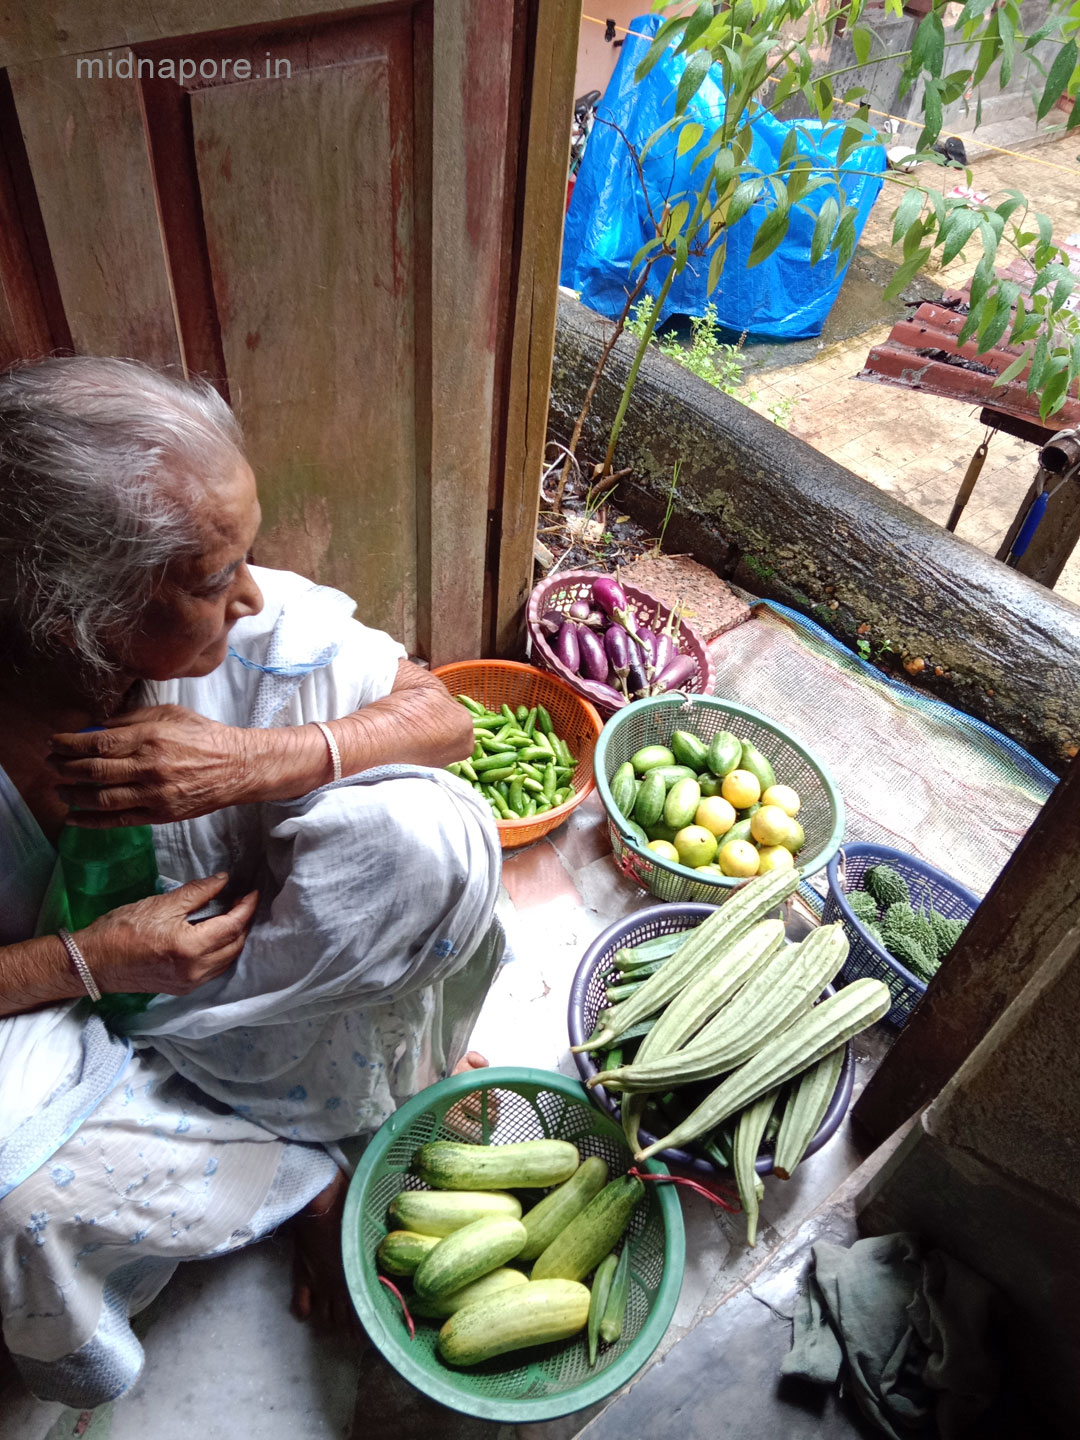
{"points": [[922, 354]]}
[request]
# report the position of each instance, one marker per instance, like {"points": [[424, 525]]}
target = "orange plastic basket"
{"points": [[507, 682]]}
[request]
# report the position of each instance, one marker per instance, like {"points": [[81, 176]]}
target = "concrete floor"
{"points": [[913, 445], [225, 1360]]}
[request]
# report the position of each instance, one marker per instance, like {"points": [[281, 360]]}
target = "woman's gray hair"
{"points": [[101, 464]]}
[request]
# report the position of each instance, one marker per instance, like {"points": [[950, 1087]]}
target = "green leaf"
{"points": [[1007, 31], [745, 195], [682, 254], [724, 169], [1053, 394], [660, 43], [1046, 227], [957, 232], [676, 220], [689, 136], [906, 272], [645, 251], [862, 41], [770, 233], [996, 320], [972, 323], [1060, 73], [855, 92], [931, 115], [844, 240], [1012, 371], [928, 49], [1074, 115], [823, 99], [1038, 364], [697, 67], [699, 22], [988, 51], [716, 266], [906, 212], [788, 149], [973, 9], [1062, 290], [823, 229], [855, 134]]}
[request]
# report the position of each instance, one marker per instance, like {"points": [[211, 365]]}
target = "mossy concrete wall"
{"points": [[765, 509]]}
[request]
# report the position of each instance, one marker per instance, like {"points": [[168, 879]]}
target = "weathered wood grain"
{"points": [[537, 249], [307, 207], [86, 146], [471, 50]]}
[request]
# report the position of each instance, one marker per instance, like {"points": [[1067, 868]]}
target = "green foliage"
{"points": [[760, 53], [706, 356]]}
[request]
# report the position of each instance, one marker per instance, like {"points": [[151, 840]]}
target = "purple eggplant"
{"points": [[637, 682], [567, 648], [596, 620], [611, 598], [579, 610], [617, 648], [608, 694], [551, 622], [675, 674], [594, 660], [666, 650]]}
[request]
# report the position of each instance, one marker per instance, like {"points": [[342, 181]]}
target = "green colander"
{"points": [[549, 1380], [651, 722]]}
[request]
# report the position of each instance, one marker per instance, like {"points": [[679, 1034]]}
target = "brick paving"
{"points": [[913, 445]]}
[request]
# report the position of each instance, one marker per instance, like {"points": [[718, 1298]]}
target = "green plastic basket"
{"points": [[652, 722], [550, 1380]]}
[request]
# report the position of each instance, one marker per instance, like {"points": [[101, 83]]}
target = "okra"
{"points": [[601, 1287], [615, 993], [748, 1137], [611, 1322]]}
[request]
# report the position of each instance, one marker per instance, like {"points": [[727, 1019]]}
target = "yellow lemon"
{"points": [[739, 857], [708, 869], [774, 857], [741, 789], [770, 825], [664, 848], [716, 814], [795, 838], [784, 796], [696, 845]]}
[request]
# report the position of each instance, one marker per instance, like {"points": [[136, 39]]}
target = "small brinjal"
{"points": [[551, 622], [675, 674], [580, 610], [567, 648], [594, 660], [636, 681], [666, 650], [617, 646]]}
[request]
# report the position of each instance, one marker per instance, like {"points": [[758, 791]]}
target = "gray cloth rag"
{"points": [[911, 1329]]}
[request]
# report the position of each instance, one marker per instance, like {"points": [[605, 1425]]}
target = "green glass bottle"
{"points": [[103, 869]]}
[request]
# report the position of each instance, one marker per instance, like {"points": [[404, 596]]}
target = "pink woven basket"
{"points": [[559, 593]]}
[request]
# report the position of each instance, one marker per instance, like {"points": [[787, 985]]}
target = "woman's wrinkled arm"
{"points": [[35, 973], [167, 763]]}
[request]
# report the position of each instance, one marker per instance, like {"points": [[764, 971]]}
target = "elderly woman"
{"points": [[311, 912]]}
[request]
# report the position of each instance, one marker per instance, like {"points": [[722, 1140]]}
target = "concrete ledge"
{"points": [[764, 508]]}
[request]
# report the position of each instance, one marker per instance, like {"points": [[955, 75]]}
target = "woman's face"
{"points": [[185, 628]]}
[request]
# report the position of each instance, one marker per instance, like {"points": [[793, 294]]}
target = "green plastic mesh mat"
{"points": [[914, 773], [547, 1381]]}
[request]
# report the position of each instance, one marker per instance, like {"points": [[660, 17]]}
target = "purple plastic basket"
{"points": [[587, 999], [865, 956]]}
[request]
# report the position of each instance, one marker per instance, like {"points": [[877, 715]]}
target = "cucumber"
{"points": [[681, 804], [673, 773], [758, 764], [441, 1212], [555, 1211], [710, 784], [532, 1314], [401, 1251], [689, 750], [649, 805], [649, 756], [635, 832], [579, 1248], [525, 1165], [724, 752], [739, 831], [505, 1278], [624, 789], [467, 1254], [662, 831]]}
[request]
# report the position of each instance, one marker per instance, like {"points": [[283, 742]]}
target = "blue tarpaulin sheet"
{"points": [[608, 220]]}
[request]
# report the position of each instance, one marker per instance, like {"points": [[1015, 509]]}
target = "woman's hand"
{"points": [[151, 766], [151, 946]]}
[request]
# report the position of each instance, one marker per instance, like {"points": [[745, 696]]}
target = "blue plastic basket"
{"points": [[866, 957]]}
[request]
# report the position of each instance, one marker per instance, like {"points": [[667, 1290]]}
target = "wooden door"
{"points": [[337, 219]]}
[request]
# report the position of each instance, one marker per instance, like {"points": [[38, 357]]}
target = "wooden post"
{"points": [[1032, 909]]}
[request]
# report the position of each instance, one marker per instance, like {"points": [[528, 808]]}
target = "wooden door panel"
{"points": [[307, 210], [87, 149]]}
